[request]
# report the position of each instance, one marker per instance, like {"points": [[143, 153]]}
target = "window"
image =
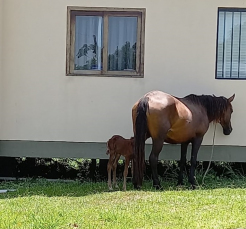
{"points": [[105, 41], [231, 44]]}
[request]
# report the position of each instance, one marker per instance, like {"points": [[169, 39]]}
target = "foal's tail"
{"points": [[140, 137]]}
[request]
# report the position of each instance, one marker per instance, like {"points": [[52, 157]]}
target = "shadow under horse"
{"points": [[166, 118]]}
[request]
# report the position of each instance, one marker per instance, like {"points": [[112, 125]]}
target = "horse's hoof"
{"points": [[137, 187], [158, 187], [193, 187], [180, 186]]}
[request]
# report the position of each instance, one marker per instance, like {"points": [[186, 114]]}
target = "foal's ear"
{"points": [[231, 98]]}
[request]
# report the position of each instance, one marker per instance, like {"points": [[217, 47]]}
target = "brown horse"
{"points": [[166, 118], [119, 146]]}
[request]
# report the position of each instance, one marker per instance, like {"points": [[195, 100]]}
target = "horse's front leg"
{"points": [[153, 160], [196, 143], [184, 147]]}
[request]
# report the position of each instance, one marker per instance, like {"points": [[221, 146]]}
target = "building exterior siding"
{"points": [[40, 103]]}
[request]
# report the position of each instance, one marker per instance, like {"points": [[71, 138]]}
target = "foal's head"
{"points": [[225, 119]]}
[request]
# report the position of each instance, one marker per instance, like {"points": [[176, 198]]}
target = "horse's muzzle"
{"points": [[227, 131]]}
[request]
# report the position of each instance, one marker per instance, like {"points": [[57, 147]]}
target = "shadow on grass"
{"points": [[42, 187]]}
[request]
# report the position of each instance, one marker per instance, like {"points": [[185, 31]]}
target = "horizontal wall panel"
{"points": [[90, 150]]}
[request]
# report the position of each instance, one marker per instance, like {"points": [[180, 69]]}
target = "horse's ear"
{"points": [[231, 98]]}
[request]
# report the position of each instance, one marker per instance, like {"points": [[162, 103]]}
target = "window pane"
{"points": [[122, 40], [235, 45], [242, 67], [220, 45], [88, 43], [228, 45]]}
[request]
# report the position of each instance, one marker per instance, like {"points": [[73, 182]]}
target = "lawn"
{"points": [[42, 204]]}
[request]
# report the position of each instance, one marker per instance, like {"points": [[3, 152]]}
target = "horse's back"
{"points": [[157, 100], [160, 97]]}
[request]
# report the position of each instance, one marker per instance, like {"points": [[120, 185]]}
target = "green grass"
{"points": [[41, 204]]}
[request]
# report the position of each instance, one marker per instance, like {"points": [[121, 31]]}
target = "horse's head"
{"points": [[225, 120]]}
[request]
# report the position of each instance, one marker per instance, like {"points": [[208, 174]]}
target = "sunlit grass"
{"points": [[41, 204]]}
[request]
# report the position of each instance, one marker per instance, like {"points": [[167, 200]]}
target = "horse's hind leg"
{"points": [[109, 169], [117, 157], [127, 161], [184, 147], [153, 160], [132, 167]]}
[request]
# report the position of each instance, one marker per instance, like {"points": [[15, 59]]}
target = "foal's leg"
{"points": [[196, 143], [182, 162], [127, 161], [132, 167], [153, 160], [109, 168], [117, 157]]}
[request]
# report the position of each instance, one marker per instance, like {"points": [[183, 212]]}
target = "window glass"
{"points": [[88, 43], [122, 40]]}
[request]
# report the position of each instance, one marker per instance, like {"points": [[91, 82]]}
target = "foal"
{"points": [[119, 146]]}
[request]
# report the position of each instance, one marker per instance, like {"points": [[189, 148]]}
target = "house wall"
{"points": [[41, 103], [1, 45]]}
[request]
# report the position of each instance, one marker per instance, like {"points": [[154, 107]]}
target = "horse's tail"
{"points": [[140, 137]]}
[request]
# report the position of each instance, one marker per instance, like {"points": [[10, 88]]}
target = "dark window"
{"points": [[231, 44]]}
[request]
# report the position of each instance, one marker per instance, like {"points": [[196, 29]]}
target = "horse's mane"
{"points": [[215, 106]]}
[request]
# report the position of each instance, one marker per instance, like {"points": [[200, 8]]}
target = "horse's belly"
{"points": [[175, 136]]}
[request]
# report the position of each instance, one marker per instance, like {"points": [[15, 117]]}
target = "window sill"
{"points": [[230, 78], [106, 75]]}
